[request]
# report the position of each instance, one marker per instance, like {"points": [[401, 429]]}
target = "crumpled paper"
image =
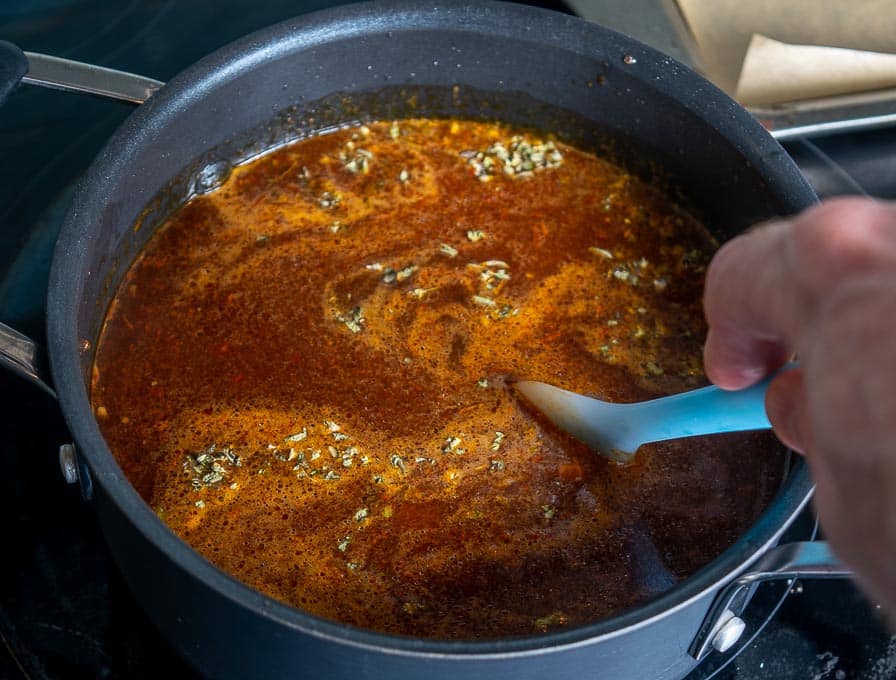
{"points": [[774, 72], [724, 31]]}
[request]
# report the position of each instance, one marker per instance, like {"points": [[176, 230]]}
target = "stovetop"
{"points": [[65, 611]]}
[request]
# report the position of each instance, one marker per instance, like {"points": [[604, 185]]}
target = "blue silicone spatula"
{"points": [[616, 431]]}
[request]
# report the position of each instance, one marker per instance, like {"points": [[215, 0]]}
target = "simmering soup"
{"points": [[306, 375]]}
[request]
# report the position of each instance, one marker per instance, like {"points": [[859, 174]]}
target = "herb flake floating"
{"points": [[353, 320], [298, 436], [496, 442], [356, 160], [483, 301], [452, 445], [519, 157], [210, 467], [329, 199], [398, 462], [603, 252]]}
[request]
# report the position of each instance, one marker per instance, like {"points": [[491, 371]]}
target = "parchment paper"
{"points": [[774, 72], [723, 29]]}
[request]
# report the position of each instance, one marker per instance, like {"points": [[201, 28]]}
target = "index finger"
{"points": [[751, 307], [763, 288]]}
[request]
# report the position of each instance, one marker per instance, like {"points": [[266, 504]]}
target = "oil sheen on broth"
{"points": [[304, 374]]}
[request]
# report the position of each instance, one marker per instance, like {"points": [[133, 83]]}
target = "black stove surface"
{"points": [[65, 611]]}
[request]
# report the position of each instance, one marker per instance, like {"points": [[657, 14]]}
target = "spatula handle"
{"points": [[707, 411]]}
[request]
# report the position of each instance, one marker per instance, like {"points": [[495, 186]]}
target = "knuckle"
{"points": [[841, 238]]}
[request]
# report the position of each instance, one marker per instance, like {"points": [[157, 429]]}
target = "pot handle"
{"points": [[72, 76], [802, 559], [13, 65], [17, 352], [22, 356]]}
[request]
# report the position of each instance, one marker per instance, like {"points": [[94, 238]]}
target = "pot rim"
{"points": [[70, 264]]}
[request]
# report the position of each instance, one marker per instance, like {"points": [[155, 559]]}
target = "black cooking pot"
{"points": [[389, 59]]}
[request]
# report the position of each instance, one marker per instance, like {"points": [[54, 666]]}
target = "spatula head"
{"points": [[572, 413]]}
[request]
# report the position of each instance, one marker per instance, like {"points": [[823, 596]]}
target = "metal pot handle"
{"points": [[72, 76], [723, 626], [18, 352], [13, 65], [22, 356]]}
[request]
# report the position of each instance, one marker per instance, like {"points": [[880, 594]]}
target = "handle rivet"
{"points": [[728, 634], [69, 463]]}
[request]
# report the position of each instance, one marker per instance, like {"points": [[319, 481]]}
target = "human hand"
{"points": [[823, 286]]}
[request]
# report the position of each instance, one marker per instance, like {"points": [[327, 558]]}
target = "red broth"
{"points": [[305, 375]]}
